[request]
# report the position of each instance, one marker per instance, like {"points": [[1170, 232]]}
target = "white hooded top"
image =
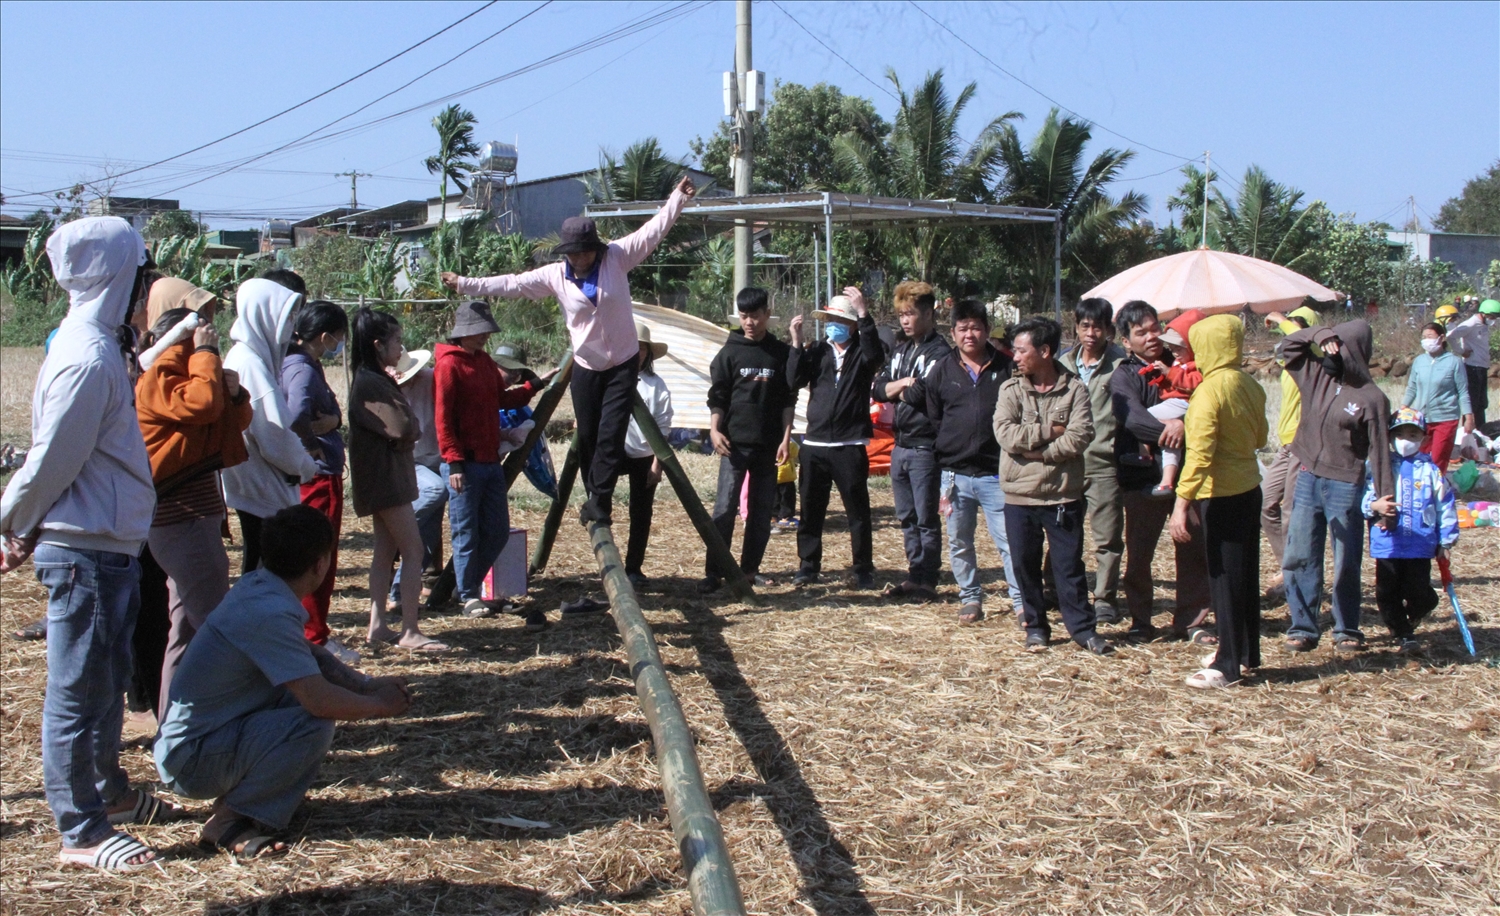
{"points": [[86, 483], [265, 484]]}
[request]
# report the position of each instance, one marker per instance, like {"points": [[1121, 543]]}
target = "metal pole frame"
{"points": [[1057, 267]]}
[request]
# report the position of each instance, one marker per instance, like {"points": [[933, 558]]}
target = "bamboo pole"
{"points": [[543, 550], [546, 405], [718, 551], [705, 857]]}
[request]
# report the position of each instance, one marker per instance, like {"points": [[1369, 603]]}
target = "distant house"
{"points": [[246, 241], [138, 210], [1469, 254]]}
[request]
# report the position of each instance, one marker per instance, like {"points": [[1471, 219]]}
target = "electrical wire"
{"points": [[830, 50], [986, 58], [300, 104]]}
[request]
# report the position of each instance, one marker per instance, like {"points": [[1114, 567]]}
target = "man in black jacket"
{"points": [[838, 373], [750, 403], [1145, 516], [914, 470]]}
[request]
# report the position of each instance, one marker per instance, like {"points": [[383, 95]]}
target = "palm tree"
{"points": [[1190, 202], [455, 129], [925, 158], [644, 172], [1266, 220], [1053, 172]]}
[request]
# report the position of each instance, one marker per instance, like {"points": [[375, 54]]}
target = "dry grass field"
{"points": [[865, 757]]}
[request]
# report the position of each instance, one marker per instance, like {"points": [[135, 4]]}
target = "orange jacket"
{"points": [[187, 418]]}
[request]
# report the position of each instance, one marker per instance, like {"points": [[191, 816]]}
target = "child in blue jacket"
{"points": [[1417, 524]]}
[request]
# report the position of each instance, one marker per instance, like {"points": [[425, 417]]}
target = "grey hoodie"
{"points": [[1344, 415], [267, 482], [86, 483]]}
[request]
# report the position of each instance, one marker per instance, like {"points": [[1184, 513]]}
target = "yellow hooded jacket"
{"points": [[1226, 418]]}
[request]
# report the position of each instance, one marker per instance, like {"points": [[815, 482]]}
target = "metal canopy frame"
{"points": [[849, 211]]}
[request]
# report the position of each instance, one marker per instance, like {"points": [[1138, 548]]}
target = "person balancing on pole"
{"points": [[592, 285]]}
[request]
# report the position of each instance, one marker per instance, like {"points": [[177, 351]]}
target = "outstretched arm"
{"points": [[638, 245]]}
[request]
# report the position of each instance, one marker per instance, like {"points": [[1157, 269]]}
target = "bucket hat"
{"points": [[643, 334], [473, 317], [579, 234]]}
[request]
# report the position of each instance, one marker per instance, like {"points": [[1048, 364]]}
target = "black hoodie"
{"points": [[838, 403], [912, 359], [748, 382], [1345, 416]]}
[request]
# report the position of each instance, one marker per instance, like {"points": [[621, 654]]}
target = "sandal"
{"points": [[1300, 644], [114, 854], [430, 647], [244, 839], [970, 614], [1202, 636], [148, 809], [1209, 679], [1348, 645], [35, 630]]}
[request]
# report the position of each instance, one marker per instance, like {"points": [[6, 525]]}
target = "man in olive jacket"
{"points": [[1044, 424]]}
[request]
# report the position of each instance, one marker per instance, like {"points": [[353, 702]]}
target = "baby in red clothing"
{"points": [[1176, 384]]}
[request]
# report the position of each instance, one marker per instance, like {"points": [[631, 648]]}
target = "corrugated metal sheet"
{"points": [[691, 346]]}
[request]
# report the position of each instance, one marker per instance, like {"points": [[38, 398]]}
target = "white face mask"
{"points": [[1407, 447], [1432, 345]]}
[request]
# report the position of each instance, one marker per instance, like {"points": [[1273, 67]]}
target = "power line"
{"points": [[830, 50], [1039, 92], [300, 104]]}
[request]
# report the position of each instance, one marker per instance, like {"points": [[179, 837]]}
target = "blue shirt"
{"points": [[1439, 387], [250, 646]]}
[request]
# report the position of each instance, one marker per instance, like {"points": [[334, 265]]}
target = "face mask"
{"points": [[836, 333], [1334, 365], [1407, 447], [337, 349], [1432, 345]]}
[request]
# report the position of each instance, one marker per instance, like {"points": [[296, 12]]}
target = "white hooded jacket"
{"points": [[264, 484], [86, 483]]}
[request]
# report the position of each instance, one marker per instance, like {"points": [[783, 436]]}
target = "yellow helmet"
{"points": [[1445, 314]]}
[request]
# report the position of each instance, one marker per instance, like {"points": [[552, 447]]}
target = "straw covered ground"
{"points": [[865, 757]]}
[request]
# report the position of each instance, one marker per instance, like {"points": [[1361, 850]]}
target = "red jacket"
{"points": [[470, 395]]}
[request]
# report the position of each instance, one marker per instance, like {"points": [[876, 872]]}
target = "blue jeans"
{"points": [[1321, 505], [93, 597], [432, 496], [916, 489], [480, 518], [967, 496], [261, 764]]}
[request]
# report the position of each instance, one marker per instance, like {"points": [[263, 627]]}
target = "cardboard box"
{"points": [[507, 579]]}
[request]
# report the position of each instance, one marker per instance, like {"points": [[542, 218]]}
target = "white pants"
{"points": [[1170, 409]]}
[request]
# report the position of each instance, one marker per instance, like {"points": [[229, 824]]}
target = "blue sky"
{"points": [[1360, 105]]}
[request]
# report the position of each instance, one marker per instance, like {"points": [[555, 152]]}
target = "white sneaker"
{"points": [[342, 652]]}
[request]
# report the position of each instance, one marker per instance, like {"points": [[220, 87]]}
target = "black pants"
{"points": [[1031, 529], [848, 468], [1479, 391], [1404, 594], [1231, 537], [786, 500], [250, 534], [642, 502], [149, 644], [601, 404], [760, 464]]}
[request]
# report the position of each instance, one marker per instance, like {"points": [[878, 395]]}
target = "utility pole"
{"points": [[1208, 171], [745, 90], [354, 178]]}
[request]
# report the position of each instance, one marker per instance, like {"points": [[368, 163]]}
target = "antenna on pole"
{"points": [[354, 178], [1208, 172]]}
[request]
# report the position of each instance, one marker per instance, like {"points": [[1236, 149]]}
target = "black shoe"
{"points": [[1099, 645], [593, 510], [536, 620], [1105, 612], [637, 580], [1142, 632], [804, 577], [710, 584], [1036, 642], [864, 581]]}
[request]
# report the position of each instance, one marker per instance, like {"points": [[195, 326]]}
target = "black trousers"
{"points": [[250, 534], [786, 500], [149, 644], [1404, 594], [760, 464], [601, 404], [1058, 529], [1479, 391], [848, 468], [1231, 537], [642, 504]]}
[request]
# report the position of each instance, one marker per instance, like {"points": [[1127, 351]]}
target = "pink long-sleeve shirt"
{"points": [[603, 335]]}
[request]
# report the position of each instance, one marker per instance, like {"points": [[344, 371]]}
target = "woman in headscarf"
{"points": [[1224, 427]]}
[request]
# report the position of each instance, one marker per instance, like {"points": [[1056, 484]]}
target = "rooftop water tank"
{"points": [[498, 157]]}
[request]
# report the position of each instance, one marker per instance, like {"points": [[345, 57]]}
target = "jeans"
{"points": [[823, 468], [916, 487], [1231, 534], [260, 764], [1062, 528], [1323, 505], [967, 496], [759, 462], [432, 497], [480, 518], [93, 597]]}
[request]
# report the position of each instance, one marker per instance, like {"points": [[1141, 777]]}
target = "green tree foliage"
{"points": [[794, 141], [1265, 219], [925, 157], [1192, 201], [1477, 208], [330, 263], [1098, 230], [172, 222], [456, 147], [376, 278], [643, 172]]}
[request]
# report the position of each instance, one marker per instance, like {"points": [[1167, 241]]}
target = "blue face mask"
{"points": [[337, 349], [836, 333]]}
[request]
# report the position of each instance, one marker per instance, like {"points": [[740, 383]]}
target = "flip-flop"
{"points": [[37, 629], [383, 640], [1203, 636], [1209, 679], [245, 833], [430, 647], [114, 854], [148, 809]]}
